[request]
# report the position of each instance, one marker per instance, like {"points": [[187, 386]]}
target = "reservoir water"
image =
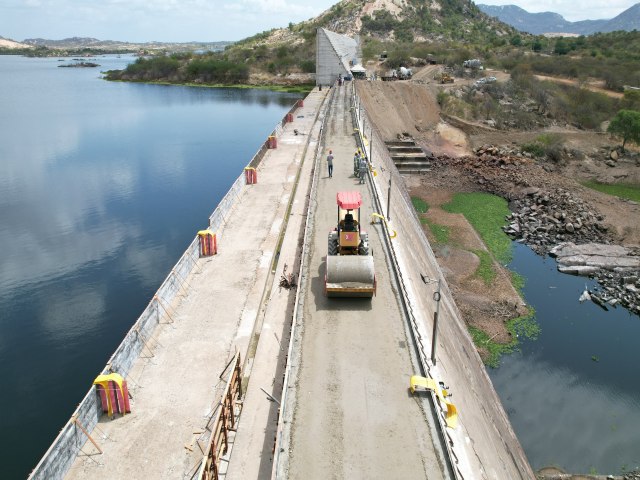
{"points": [[573, 395], [102, 187]]}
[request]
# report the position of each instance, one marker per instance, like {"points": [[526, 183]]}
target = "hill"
{"points": [[628, 20], [9, 44], [549, 22], [287, 55]]}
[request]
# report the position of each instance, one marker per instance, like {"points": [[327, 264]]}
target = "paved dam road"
{"points": [[354, 417]]}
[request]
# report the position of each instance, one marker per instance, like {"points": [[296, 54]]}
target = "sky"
{"points": [[209, 20]]}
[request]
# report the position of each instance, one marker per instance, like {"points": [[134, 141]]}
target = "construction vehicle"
{"points": [[474, 63], [401, 74], [350, 271], [405, 73], [446, 78]]}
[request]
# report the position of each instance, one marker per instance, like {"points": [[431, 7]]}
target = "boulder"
{"points": [[582, 270]]}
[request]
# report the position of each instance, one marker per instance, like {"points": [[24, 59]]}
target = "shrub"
{"points": [[626, 124], [533, 148], [308, 66]]}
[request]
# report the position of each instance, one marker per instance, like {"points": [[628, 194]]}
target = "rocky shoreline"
{"points": [[555, 221]]}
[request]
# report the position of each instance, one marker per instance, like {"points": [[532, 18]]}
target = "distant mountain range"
{"points": [[83, 42], [549, 22]]}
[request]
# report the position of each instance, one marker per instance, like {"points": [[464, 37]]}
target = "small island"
{"points": [[80, 65]]}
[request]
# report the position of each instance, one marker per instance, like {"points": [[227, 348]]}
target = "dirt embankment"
{"points": [[411, 108]]}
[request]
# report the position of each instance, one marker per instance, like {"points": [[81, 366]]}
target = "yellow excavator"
{"points": [[350, 271]]}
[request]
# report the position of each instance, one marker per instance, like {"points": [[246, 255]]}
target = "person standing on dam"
{"points": [[330, 163], [356, 163]]}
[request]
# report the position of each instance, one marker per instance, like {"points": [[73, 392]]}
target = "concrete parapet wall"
{"points": [[58, 459], [219, 215], [138, 336], [60, 456], [484, 444]]}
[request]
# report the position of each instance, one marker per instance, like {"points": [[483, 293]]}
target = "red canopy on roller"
{"points": [[349, 200]]}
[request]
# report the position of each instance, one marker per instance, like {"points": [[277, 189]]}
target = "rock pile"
{"points": [[616, 268], [544, 218], [548, 216], [489, 155]]}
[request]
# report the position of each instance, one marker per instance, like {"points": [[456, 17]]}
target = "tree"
{"points": [[632, 99], [561, 47], [537, 45], [626, 124]]}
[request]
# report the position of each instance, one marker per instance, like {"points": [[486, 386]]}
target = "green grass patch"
{"points": [[441, 233], [495, 350], [420, 205], [487, 214], [525, 326], [518, 282], [485, 270], [520, 327], [621, 190], [303, 88]]}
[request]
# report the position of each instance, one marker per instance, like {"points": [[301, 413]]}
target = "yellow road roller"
{"points": [[350, 271]]}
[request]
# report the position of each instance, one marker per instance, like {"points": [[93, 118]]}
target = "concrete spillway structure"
{"points": [[335, 55]]}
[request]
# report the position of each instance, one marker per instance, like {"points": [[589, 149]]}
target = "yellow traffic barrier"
{"points": [[394, 234], [417, 381]]}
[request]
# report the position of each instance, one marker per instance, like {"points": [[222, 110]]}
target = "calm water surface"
{"points": [[573, 395], [102, 187]]}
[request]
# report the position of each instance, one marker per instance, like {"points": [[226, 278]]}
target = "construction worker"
{"points": [[362, 168], [330, 163]]}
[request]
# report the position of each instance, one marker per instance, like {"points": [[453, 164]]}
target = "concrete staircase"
{"points": [[408, 157]]}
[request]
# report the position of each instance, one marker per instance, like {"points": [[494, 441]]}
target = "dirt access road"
{"points": [[354, 417], [410, 108]]}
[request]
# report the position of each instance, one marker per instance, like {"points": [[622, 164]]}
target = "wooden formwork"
{"points": [[223, 423]]}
